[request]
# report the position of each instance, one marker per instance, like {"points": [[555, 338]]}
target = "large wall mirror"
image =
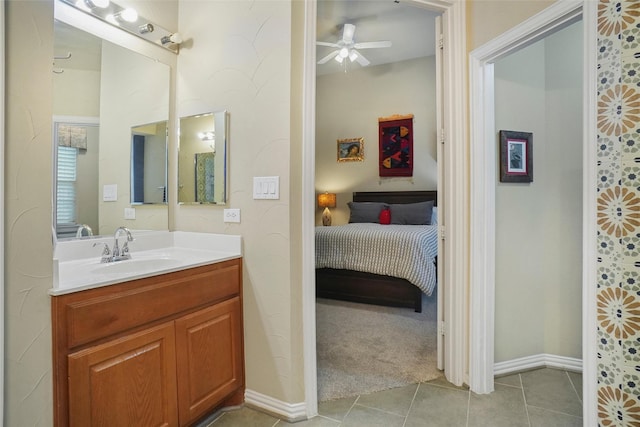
{"points": [[202, 158], [111, 109]]}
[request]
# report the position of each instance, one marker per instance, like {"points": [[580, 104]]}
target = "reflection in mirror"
{"points": [[101, 91], [202, 159], [148, 154]]}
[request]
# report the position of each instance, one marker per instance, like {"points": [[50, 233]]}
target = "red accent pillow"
{"points": [[385, 216]]}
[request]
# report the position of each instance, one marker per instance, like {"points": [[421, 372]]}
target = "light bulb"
{"points": [[129, 15], [344, 52], [102, 4]]}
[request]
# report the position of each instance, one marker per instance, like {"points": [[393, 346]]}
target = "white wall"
{"points": [[538, 225], [348, 106]]}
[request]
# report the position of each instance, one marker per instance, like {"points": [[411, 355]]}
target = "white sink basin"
{"points": [[135, 265], [77, 265]]}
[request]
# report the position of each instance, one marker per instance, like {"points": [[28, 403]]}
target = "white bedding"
{"points": [[404, 251]]}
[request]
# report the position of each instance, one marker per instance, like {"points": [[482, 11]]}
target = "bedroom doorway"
{"points": [[330, 176]]}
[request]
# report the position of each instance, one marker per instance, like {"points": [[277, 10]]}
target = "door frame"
{"points": [[2, 145], [452, 214], [484, 175]]}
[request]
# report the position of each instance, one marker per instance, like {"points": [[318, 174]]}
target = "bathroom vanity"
{"points": [[165, 349]]}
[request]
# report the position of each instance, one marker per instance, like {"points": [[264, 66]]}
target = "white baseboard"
{"points": [[537, 361], [291, 412]]}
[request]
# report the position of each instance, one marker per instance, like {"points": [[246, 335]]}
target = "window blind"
{"points": [[66, 200]]}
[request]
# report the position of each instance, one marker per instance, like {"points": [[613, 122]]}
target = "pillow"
{"points": [[412, 213], [434, 216], [365, 211]]}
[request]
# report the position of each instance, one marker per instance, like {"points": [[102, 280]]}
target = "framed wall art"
{"points": [[351, 150], [396, 145], [516, 156]]}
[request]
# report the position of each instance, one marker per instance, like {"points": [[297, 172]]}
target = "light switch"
{"points": [[266, 187], [110, 193]]}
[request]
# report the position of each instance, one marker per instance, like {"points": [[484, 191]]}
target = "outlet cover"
{"points": [[231, 215], [129, 213]]}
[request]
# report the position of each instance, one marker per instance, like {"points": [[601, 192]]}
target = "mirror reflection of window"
{"points": [[76, 165]]}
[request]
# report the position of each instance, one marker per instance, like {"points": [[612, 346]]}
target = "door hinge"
{"points": [[441, 42], [441, 328], [442, 235], [442, 138]]}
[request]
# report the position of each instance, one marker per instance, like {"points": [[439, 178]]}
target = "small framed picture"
{"points": [[351, 150], [516, 156]]}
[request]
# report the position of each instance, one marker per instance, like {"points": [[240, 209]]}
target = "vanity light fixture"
{"points": [[126, 19], [87, 5], [146, 28], [174, 38], [207, 136]]}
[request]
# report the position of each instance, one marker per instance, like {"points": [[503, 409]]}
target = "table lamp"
{"points": [[326, 201]]}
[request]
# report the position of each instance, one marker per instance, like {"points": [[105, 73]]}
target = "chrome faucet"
{"points": [[83, 227], [118, 254]]}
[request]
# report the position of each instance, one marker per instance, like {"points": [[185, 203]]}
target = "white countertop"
{"points": [[77, 267]]}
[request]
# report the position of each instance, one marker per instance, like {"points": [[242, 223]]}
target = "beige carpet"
{"points": [[365, 348]]}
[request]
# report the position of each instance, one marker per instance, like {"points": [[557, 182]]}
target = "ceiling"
{"points": [[411, 30]]}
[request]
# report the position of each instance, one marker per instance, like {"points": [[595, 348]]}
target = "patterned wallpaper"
{"points": [[618, 294]]}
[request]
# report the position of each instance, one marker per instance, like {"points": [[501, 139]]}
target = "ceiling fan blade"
{"points": [[361, 59], [347, 33], [328, 57], [326, 44], [371, 45]]}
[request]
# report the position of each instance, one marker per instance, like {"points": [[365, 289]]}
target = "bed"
{"points": [[339, 279]]}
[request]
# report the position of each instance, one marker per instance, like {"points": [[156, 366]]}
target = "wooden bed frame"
{"points": [[355, 286]]}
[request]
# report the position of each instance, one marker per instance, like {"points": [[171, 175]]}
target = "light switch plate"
{"points": [[129, 213], [110, 193], [231, 215], [266, 187]]}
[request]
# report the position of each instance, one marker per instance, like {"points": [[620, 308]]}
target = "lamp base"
{"points": [[326, 217]]}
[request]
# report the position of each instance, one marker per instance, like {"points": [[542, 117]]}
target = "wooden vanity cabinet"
{"points": [[159, 351]]}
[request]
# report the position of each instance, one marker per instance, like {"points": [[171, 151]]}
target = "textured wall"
{"points": [[28, 246], [618, 294], [237, 56]]}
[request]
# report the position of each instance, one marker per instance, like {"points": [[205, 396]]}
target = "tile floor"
{"points": [[539, 398]]}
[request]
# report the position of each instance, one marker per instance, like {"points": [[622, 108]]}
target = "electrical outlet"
{"points": [[231, 215]]}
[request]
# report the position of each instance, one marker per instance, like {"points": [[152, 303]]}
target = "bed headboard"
{"points": [[395, 196]]}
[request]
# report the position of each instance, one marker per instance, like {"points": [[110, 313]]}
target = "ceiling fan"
{"points": [[346, 47]]}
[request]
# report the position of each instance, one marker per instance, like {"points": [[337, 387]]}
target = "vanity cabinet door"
{"points": [[209, 358], [129, 381]]}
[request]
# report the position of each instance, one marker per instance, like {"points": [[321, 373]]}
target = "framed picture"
{"points": [[396, 145], [516, 156], [351, 150]]}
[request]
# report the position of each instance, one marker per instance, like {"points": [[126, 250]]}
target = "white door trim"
{"points": [[2, 133], [455, 217], [483, 178]]}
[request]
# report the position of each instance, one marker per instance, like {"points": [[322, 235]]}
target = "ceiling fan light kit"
{"points": [[346, 47]]}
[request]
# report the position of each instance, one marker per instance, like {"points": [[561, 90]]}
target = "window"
{"points": [[66, 198]]}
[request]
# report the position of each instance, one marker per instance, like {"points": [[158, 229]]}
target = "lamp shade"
{"points": [[327, 200]]}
